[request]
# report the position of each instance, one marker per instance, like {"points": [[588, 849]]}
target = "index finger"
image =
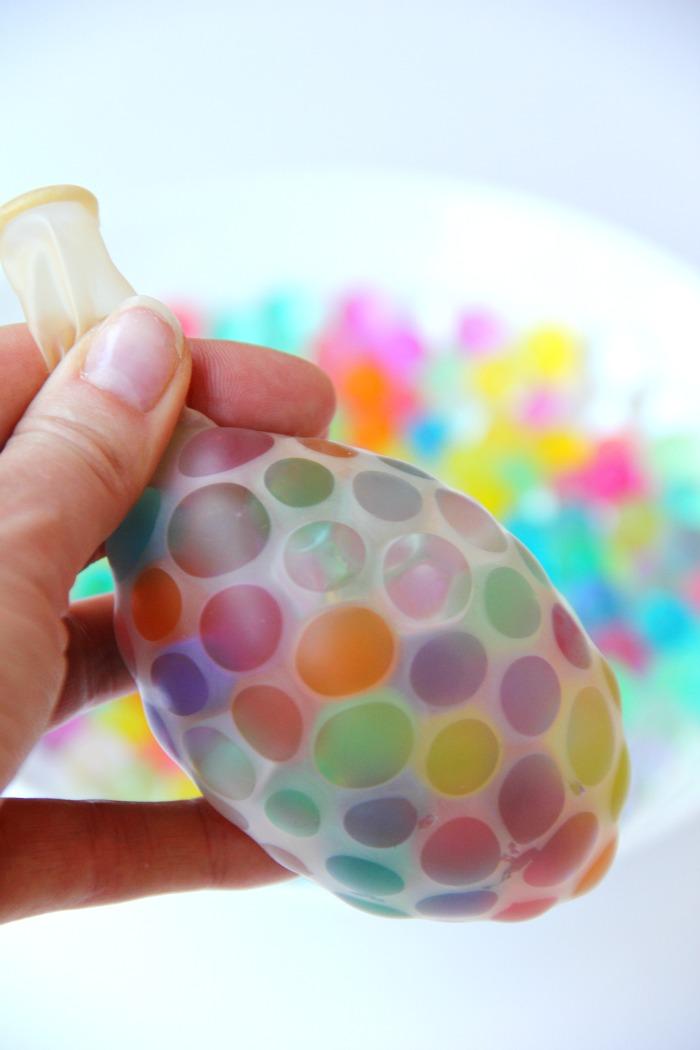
{"points": [[235, 384]]}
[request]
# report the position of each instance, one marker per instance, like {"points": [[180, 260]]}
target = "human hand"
{"points": [[76, 450]]}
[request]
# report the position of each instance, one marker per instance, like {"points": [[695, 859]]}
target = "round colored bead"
{"points": [[462, 851], [344, 651], [364, 745]]}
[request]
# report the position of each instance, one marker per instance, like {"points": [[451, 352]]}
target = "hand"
{"points": [[76, 450]]}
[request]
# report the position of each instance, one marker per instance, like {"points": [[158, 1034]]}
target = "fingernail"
{"points": [[134, 354]]}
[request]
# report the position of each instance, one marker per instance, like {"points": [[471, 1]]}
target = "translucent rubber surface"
{"points": [[363, 670]]}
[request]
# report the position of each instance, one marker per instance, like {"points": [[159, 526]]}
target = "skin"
{"points": [[73, 459]]}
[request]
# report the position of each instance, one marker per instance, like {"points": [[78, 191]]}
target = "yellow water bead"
{"points": [[590, 737], [126, 717], [553, 353], [462, 757], [559, 450]]}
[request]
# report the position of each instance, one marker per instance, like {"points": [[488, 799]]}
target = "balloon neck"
{"points": [[55, 259]]}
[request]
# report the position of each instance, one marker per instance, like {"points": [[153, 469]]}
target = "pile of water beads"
{"points": [[613, 516]]}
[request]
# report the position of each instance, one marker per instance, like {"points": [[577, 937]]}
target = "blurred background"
{"points": [[341, 180]]}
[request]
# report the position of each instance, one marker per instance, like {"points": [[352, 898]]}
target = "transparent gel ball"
{"points": [[363, 670]]}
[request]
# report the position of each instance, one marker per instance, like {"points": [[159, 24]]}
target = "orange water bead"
{"points": [[371, 432], [598, 869], [522, 910], [366, 385], [156, 604], [344, 651]]}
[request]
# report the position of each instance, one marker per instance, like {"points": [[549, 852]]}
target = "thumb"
{"points": [[89, 442]]}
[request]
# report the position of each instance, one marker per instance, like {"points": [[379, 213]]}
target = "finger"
{"points": [[96, 671], [22, 370], [253, 386], [75, 464], [235, 384], [88, 443], [59, 854]]}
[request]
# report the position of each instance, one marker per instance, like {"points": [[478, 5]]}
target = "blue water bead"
{"points": [[595, 601], [662, 619], [537, 537], [290, 318], [242, 326], [428, 436], [128, 543], [95, 579]]}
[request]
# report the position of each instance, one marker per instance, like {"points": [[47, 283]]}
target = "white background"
{"points": [[594, 103]]}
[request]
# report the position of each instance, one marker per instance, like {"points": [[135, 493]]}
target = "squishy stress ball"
{"points": [[356, 664]]}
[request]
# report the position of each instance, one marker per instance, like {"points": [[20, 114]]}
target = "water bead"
{"points": [[564, 852], [480, 331], [217, 449], [299, 482], [324, 555], [590, 740], [220, 763], [96, 578], [180, 683], [426, 576], [531, 562], [530, 695], [327, 448], [293, 811], [234, 815], [126, 545], [156, 604], [620, 784], [570, 638], [157, 724], [457, 905], [429, 436], [366, 876], [364, 745], [241, 627], [381, 822], [612, 683], [269, 720], [597, 870], [344, 651], [531, 798], [471, 521], [519, 911], [285, 858], [510, 603], [405, 468], [373, 907], [463, 757], [217, 529], [449, 668], [462, 851], [386, 497]]}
